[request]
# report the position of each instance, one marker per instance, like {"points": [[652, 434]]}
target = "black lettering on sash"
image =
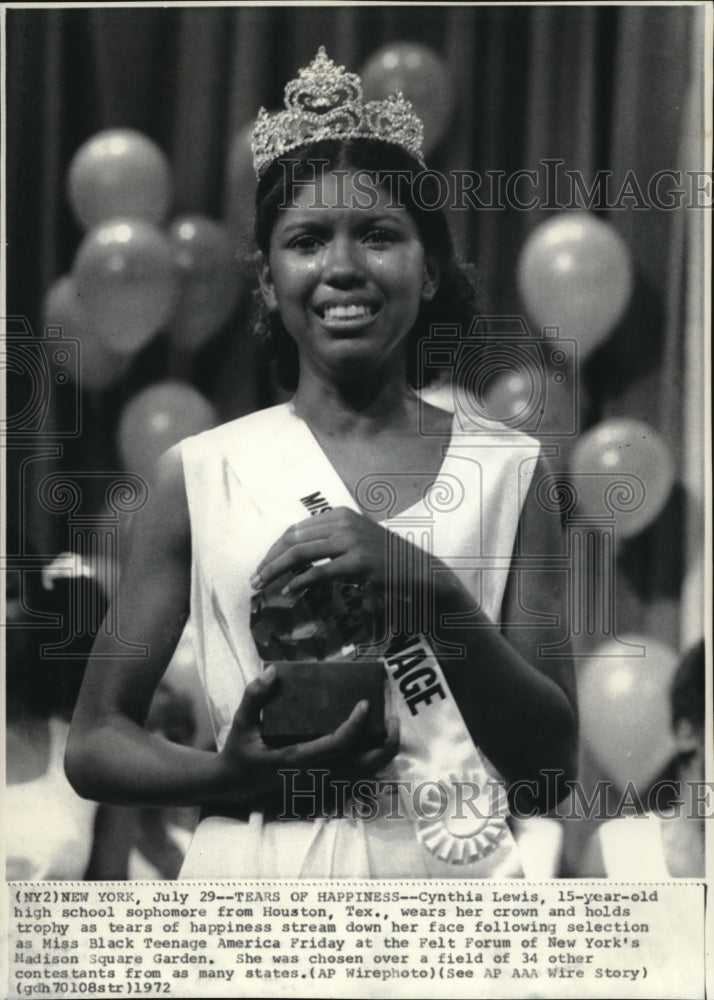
{"points": [[409, 685], [418, 685], [406, 662], [315, 503], [425, 695]]}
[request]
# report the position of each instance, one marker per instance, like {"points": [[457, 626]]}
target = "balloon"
{"points": [[575, 273], [546, 407], [624, 709], [207, 279], [158, 417], [635, 473], [423, 78], [119, 173], [98, 366], [126, 279], [240, 191]]}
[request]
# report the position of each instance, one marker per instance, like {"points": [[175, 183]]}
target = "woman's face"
{"points": [[348, 272]]}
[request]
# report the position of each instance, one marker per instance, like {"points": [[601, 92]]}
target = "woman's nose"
{"points": [[343, 264]]}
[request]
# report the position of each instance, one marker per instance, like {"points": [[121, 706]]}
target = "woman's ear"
{"points": [[430, 279], [265, 281]]}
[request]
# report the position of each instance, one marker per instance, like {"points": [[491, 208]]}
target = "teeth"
{"points": [[346, 312]]}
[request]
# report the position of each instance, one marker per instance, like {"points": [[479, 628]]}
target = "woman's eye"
{"points": [[380, 236], [305, 242]]}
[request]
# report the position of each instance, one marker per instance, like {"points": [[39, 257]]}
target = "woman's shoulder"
{"points": [[247, 433]]}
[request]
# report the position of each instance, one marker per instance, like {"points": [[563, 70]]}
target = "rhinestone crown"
{"points": [[325, 102]]}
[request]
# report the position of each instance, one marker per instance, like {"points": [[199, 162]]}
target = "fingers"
{"points": [[293, 558], [341, 748], [304, 531], [343, 741], [376, 758], [337, 568], [257, 694], [392, 741], [250, 761], [321, 537], [369, 762]]}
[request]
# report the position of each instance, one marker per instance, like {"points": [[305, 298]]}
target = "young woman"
{"points": [[353, 273]]}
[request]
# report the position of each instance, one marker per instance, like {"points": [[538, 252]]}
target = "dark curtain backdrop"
{"points": [[597, 87]]}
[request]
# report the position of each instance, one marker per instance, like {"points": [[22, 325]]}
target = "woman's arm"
{"points": [[518, 702], [110, 756], [116, 829]]}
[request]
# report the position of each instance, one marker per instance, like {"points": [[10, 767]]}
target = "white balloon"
{"points": [[575, 273]]}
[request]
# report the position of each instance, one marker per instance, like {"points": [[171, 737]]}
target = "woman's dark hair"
{"points": [[455, 302]]}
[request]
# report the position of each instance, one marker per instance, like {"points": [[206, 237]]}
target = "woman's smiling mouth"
{"points": [[346, 313]]}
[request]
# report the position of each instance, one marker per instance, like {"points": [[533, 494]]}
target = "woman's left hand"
{"points": [[337, 545]]}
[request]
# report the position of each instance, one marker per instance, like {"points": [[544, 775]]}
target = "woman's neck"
{"points": [[365, 407]]}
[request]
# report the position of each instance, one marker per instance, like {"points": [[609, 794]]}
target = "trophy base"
{"points": [[314, 697]]}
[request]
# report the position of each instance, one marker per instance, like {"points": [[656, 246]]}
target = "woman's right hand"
{"points": [[251, 768]]}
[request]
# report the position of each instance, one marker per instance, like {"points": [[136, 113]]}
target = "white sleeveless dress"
{"points": [[244, 482]]}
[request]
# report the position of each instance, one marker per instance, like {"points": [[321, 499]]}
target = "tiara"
{"points": [[325, 102]]}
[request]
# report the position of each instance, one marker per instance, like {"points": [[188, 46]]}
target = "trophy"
{"points": [[312, 638]]}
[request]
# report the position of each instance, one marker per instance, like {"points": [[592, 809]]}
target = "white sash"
{"points": [[456, 810]]}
